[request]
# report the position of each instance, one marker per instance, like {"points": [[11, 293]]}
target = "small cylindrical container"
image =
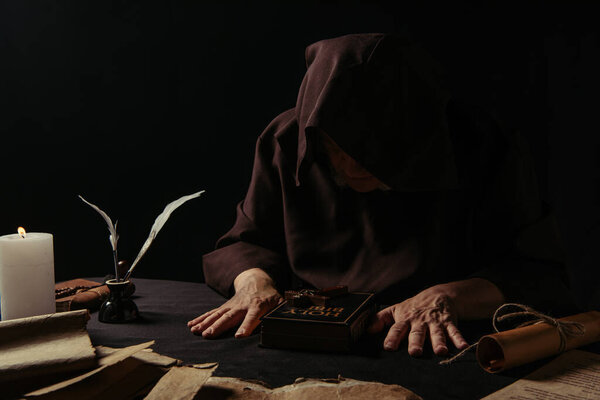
{"points": [[118, 307]]}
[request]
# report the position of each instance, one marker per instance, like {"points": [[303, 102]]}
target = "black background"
{"points": [[135, 103]]}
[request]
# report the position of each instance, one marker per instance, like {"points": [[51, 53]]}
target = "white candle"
{"points": [[26, 275]]}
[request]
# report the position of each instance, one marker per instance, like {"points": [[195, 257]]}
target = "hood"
{"points": [[380, 99]]}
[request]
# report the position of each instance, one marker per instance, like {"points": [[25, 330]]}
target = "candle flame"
{"points": [[22, 232]]}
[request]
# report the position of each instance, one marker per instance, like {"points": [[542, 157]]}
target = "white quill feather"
{"points": [[112, 228], [157, 226]]}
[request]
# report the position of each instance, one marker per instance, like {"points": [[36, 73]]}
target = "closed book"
{"points": [[333, 327]]}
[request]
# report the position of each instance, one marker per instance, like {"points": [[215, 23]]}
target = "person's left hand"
{"points": [[430, 313]]}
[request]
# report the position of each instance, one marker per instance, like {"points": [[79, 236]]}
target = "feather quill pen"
{"points": [[157, 226], [112, 228]]}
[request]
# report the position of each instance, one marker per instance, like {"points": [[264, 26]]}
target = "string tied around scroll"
{"points": [[565, 329]]}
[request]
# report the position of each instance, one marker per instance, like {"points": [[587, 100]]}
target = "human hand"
{"points": [[431, 313], [255, 295]]}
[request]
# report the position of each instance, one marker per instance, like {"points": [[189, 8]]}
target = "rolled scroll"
{"points": [[503, 350]]}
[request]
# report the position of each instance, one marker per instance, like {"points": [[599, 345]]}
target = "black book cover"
{"points": [[333, 327]]}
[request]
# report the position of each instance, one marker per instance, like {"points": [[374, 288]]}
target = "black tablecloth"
{"points": [[166, 306]]}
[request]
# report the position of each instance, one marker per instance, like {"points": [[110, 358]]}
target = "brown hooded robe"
{"points": [[463, 191]]}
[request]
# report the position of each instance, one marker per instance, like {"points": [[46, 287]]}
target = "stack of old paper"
{"points": [[121, 374], [43, 347], [56, 350]]}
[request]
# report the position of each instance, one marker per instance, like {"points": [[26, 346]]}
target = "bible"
{"points": [[334, 326]]}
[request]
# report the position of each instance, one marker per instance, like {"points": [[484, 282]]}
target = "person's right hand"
{"points": [[255, 295]]}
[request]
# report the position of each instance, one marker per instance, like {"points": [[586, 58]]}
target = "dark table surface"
{"points": [[166, 306]]}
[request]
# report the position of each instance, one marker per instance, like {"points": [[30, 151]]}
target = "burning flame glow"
{"points": [[22, 232]]}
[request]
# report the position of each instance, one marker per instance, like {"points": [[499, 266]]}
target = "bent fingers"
{"points": [[456, 337], [201, 318], [395, 335], [438, 339], [416, 339], [227, 321], [208, 321]]}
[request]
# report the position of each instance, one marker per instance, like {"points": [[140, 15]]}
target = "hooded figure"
{"points": [[456, 199]]}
